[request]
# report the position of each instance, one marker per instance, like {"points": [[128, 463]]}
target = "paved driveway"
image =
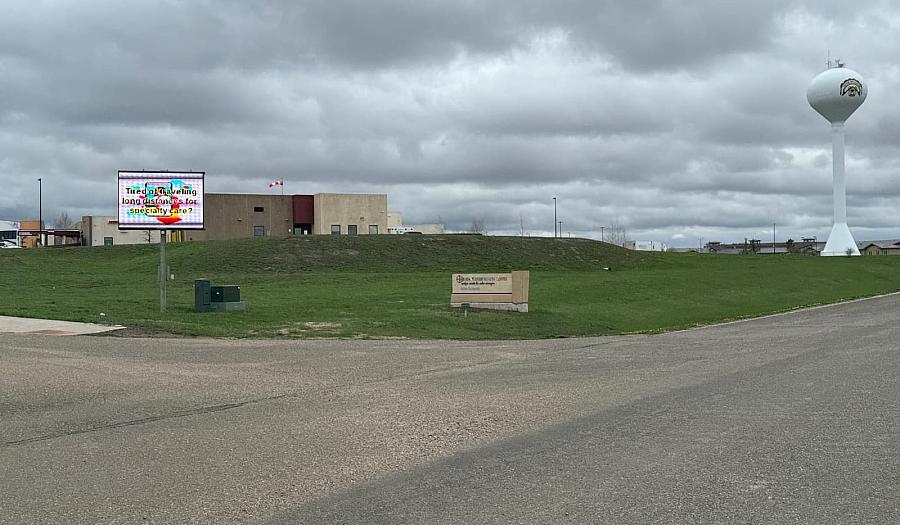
{"points": [[791, 418], [24, 325]]}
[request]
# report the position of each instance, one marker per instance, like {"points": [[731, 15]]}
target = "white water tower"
{"points": [[836, 93]]}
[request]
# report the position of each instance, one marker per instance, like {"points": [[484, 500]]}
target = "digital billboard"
{"points": [[160, 200]]}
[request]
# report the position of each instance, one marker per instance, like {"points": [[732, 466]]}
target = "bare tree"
{"points": [[477, 226], [62, 220], [617, 233], [521, 225]]}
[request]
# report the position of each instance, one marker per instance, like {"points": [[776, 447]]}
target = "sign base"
{"points": [[508, 307]]}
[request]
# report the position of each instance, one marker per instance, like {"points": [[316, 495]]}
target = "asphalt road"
{"points": [[787, 419]]}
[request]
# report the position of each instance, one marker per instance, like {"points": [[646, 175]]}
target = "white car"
{"points": [[6, 243]]}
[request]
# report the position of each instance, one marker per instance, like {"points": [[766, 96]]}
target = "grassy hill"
{"points": [[363, 253], [377, 286]]}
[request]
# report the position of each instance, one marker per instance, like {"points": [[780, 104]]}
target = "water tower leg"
{"points": [[840, 240]]}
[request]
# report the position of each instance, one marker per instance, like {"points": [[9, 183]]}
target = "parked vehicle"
{"points": [[6, 243]]}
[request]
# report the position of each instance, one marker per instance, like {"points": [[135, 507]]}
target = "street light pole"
{"points": [[773, 237], [40, 212], [554, 217], [560, 229], [601, 233]]}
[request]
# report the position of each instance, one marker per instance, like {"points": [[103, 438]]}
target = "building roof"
{"points": [[890, 244]]}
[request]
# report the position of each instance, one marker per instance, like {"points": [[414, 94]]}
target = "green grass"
{"points": [[388, 286]]}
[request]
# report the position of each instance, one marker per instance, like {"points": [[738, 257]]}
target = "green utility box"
{"points": [[209, 298], [225, 294], [202, 295]]}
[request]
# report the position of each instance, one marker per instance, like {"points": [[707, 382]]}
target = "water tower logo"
{"points": [[851, 87]]}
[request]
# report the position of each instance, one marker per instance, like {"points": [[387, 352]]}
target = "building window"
{"points": [[373, 229], [335, 229], [107, 241], [351, 229], [259, 231], [259, 209]]}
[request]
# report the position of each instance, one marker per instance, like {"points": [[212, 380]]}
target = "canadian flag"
{"points": [[276, 183]]}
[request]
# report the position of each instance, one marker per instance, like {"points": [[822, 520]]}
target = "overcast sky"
{"points": [[680, 119]]}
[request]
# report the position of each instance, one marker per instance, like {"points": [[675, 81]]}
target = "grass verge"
{"points": [[391, 286]]}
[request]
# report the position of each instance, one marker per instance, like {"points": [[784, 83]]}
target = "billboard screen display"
{"points": [[160, 200]]}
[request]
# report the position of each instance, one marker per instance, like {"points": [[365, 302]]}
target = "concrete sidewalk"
{"points": [[21, 325]]}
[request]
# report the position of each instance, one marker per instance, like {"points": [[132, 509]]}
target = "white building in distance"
{"points": [[396, 226], [647, 246]]}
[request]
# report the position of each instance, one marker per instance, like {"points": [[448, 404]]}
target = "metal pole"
{"points": [[163, 271], [40, 212], [773, 237], [560, 229], [601, 233], [554, 217]]}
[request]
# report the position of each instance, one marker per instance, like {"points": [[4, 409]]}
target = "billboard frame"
{"points": [[201, 175]]}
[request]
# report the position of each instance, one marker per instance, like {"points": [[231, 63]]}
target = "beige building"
{"points": [[350, 214], [103, 230], [891, 247], [241, 215], [396, 226]]}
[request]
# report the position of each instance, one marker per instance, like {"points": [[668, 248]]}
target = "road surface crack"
{"points": [[143, 420]]}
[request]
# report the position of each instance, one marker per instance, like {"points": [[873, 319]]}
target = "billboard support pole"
{"points": [[157, 200], [163, 271]]}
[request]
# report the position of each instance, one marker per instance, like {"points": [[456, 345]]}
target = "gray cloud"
{"points": [[681, 119]]}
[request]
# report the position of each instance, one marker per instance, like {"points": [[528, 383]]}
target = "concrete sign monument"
{"points": [[497, 291]]}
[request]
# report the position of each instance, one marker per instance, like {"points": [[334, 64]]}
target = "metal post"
{"points": [[554, 217], [560, 229], [40, 212], [163, 271], [773, 237]]}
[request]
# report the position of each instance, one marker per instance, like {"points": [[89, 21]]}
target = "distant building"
{"points": [[241, 215], [396, 226], [28, 233], [646, 246], [350, 214], [889, 247], [756, 246], [103, 230], [9, 231]]}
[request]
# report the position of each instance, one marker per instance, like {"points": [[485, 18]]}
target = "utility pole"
{"points": [[554, 217], [40, 212], [601, 233]]}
